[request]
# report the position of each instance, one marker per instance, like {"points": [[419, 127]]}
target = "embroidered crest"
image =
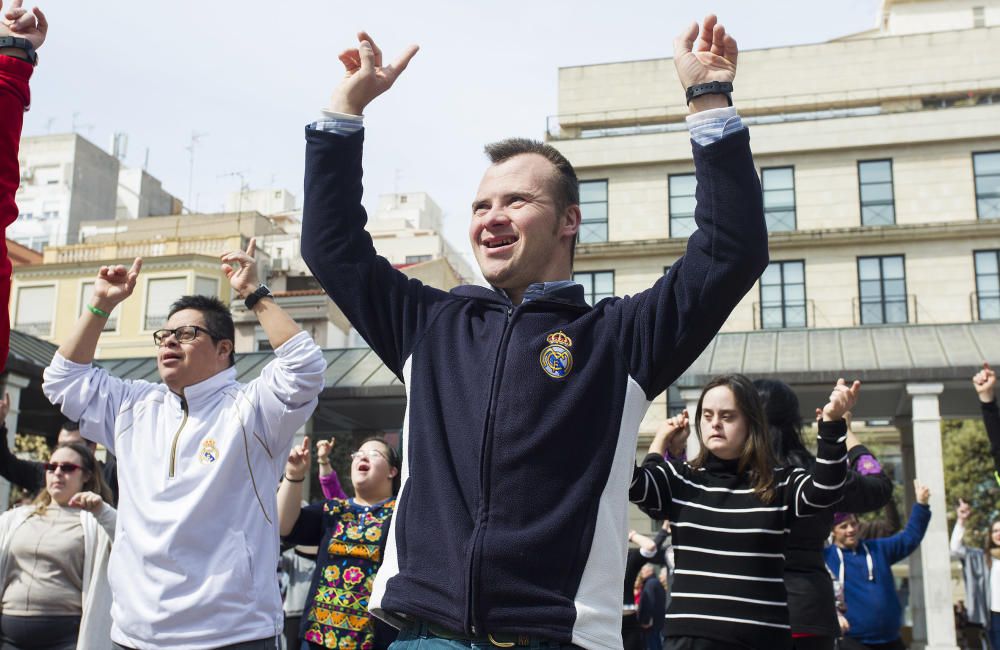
{"points": [[209, 453], [556, 359]]}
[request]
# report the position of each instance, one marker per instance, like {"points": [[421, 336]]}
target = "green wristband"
{"points": [[97, 311]]}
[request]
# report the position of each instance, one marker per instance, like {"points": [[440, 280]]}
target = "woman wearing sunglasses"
{"points": [[53, 559], [351, 534]]}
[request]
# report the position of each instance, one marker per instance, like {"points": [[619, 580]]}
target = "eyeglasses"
{"points": [[370, 454], [183, 334], [66, 468]]}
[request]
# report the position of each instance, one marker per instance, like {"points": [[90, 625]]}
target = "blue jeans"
{"points": [[994, 633], [418, 640]]}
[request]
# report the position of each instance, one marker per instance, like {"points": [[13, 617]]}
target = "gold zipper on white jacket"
{"points": [[173, 446]]}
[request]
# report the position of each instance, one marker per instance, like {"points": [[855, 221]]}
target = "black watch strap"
{"points": [[21, 44], [261, 292], [711, 88]]}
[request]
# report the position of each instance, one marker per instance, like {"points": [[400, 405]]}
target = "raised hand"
{"points": [[241, 269], [923, 493], [323, 449], [365, 75], [842, 400], [22, 23], [4, 407], [672, 435], [985, 382], [297, 465], [114, 284], [708, 57], [86, 500], [964, 511]]}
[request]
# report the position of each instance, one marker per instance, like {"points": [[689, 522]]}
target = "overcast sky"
{"points": [[249, 75]]}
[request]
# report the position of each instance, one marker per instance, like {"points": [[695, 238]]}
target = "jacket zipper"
{"points": [[173, 446], [470, 620]]}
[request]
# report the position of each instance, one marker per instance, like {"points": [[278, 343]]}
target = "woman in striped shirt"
{"points": [[731, 509]]}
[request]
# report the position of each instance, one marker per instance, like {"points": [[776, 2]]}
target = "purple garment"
{"points": [[331, 486]]}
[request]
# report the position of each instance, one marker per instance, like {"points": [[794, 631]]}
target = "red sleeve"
{"points": [[14, 99]]}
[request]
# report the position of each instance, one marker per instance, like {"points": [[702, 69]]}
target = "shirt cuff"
{"points": [[339, 123], [649, 555], [714, 124]]}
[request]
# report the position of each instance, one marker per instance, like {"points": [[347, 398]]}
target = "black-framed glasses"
{"points": [[183, 334]]}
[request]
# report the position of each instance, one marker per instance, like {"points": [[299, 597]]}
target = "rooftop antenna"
{"points": [[48, 124], [77, 126], [241, 174], [195, 140]]}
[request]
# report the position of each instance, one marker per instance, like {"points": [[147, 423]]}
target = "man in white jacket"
{"points": [[199, 458]]}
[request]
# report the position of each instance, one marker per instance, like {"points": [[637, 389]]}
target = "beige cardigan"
{"points": [[98, 533]]}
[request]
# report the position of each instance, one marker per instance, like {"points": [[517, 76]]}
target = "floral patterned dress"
{"points": [[350, 538]]}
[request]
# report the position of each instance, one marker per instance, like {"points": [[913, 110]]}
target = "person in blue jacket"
{"points": [[864, 568]]}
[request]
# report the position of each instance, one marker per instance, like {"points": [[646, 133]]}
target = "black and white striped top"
{"points": [[729, 545]]}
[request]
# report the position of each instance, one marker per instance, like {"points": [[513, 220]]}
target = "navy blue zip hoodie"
{"points": [[521, 422]]}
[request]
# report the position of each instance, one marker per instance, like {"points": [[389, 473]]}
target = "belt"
{"points": [[497, 640]]}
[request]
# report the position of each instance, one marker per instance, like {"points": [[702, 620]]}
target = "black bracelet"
{"points": [[291, 480], [711, 88]]}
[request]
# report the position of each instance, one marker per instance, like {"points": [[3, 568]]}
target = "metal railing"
{"points": [[909, 302], [808, 308]]}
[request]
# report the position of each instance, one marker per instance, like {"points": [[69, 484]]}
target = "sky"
{"points": [[247, 76]]}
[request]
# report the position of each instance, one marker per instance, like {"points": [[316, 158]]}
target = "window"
{"points": [[597, 285], [783, 295], [415, 259], [882, 288], [682, 202], [35, 307], [986, 167], [988, 284], [206, 286], [875, 183], [160, 294], [779, 198], [979, 16], [86, 291], [594, 208]]}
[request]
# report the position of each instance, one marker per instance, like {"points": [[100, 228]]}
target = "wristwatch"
{"points": [[21, 44], [261, 292]]}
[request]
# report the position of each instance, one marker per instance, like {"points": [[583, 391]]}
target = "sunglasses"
{"points": [[66, 468]]}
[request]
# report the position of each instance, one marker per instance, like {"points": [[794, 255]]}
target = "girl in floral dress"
{"points": [[351, 535]]}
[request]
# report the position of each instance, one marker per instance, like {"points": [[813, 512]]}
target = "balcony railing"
{"points": [[887, 308], [984, 306], [808, 315]]}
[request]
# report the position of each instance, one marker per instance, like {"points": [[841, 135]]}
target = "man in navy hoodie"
{"points": [[864, 568], [523, 401]]}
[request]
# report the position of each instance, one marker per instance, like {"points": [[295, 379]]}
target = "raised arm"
{"points": [[290, 488], [900, 545], [868, 488], [15, 71], [329, 482], [824, 486], [384, 306], [665, 328], [114, 285], [241, 269], [985, 384], [957, 542]]}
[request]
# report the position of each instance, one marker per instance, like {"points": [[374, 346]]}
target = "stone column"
{"points": [[930, 593], [14, 385], [690, 397]]}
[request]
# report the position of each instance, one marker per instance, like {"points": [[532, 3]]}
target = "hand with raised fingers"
{"points": [[241, 269], [704, 55], [22, 23], [4, 407], [964, 511], [323, 449], [114, 284], [985, 382], [297, 465], [86, 500], [842, 400], [923, 493], [366, 76]]}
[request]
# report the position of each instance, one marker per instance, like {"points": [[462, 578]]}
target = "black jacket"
{"points": [[521, 422], [811, 606]]}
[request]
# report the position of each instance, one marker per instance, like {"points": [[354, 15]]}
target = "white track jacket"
{"points": [[196, 544]]}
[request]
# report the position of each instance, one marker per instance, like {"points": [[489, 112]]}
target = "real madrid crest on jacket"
{"points": [[521, 425]]}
